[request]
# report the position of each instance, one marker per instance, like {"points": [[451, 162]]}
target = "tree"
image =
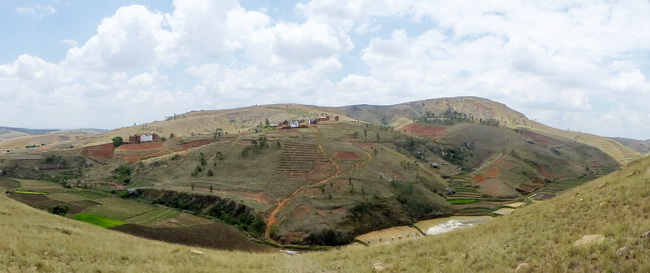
{"points": [[59, 210], [117, 141]]}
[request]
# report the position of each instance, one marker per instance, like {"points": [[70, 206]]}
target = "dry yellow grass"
{"points": [[541, 235]]}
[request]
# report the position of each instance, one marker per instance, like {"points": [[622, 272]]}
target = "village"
{"points": [[303, 123]]}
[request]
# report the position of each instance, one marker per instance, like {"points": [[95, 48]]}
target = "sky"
{"points": [[577, 65]]}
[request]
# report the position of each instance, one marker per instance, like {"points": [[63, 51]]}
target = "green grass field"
{"points": [[97, 220], [32, 192]]}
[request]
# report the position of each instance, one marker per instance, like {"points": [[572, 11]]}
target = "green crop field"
{"points": [[97, 220], [32, 192]]}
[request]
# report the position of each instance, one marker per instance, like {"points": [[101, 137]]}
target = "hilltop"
{"points": [[326, 183]]}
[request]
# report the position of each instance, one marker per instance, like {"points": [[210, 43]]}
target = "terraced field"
{"points": [[153, 216], [468, 201], [299, 158], [550, 190]]}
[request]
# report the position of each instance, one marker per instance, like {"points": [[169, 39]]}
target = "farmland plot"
{"points": [[119, 209]]}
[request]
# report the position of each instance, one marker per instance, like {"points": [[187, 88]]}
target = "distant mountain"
{"points": [[28, 131], [641, 146], [20, 138]]}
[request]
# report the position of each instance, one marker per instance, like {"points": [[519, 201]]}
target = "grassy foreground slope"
{"points": [[541, 235]]}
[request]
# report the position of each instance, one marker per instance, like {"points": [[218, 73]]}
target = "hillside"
{"points": [[479, 109], [641, 146], [329, 182], [17, 138], [537, 238]]}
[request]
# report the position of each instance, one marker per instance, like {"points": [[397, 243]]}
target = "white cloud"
{"points": [[38, 11], [129, 39], [556, 61]]}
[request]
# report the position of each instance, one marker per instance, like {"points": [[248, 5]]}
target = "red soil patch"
{"points": [[493, 172], [347, 155], [479, 178], [101, 153], [539, 138], [425, 130], [496, 187], [197, 143], [545, 173], [141, 146]]}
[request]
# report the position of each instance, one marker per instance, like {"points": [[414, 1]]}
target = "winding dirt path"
{"points": [[272, 219]]}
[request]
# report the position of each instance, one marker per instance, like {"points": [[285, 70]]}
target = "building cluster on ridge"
{"points": [[303, 123]]}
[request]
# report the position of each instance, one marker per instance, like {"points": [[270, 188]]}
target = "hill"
{"points": [[19, 138], [325, 183], [538, 238], [481, 110], [641, 146]]}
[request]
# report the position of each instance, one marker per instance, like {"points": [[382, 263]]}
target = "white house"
{"points": [[294, 124], [146, 138]]}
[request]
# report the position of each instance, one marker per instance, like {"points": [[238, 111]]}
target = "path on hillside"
{"points": [[272, 219]]}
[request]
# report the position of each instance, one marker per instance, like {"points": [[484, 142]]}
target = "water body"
{"points": [[429, 227], [447, 224]]}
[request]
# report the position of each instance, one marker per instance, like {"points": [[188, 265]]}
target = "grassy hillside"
{"points": [[330, 182], [641, 146], [478, 109], [537, 238]]}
